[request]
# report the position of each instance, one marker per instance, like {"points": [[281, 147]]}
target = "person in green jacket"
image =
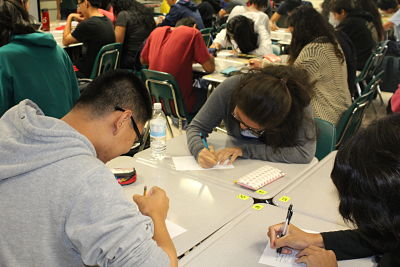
{"points": [[32, 65]]}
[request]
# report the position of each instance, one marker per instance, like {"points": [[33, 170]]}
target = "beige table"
{"points": [[314, 194], [242, 242], [196, 205], [226, 177]]}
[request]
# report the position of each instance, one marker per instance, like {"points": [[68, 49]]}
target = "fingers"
{"points": [[137, 199], [211, 148], [233, 158], [231, 153], [273, 232], [207, 158]]}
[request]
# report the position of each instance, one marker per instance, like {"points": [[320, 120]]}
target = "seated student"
{"points": [[354, 22], [173, 50], [181, 9], [267, 111], [314, 48], [94, 31], [60, 204], [375, 26], [285, 9], [134, 24], [207, 13], [366, 175], [251, 28], [391, 7], [32, 65]]}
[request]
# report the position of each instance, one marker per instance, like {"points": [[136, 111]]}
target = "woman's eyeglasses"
{"points": [[135, 127], [257, 133]]}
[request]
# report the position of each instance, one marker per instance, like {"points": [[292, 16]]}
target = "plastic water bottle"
{"points": [[158, 127]]}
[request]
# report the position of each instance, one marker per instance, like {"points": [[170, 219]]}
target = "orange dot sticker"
{"points": [[284, 199], [261, 192], [242, 197], [258, 206]]}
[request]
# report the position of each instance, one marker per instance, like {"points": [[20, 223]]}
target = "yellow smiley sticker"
{"points": [[243, 197], [258, 206], [261, 192], [284, 199]]}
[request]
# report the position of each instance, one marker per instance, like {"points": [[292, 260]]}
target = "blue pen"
{"points": [[204, 140]]}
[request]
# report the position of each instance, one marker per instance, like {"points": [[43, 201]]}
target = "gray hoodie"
{"points": [[59, 204]]}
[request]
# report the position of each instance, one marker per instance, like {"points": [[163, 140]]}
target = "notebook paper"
{"points": [[189, 163]]}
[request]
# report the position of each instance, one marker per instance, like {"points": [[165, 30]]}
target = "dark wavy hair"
{"points": [[275, 97], [259, 3], [371, 7], [138, 13], [366, 174], [387, 4], [14, 19], [241, 29], [309, 26]]}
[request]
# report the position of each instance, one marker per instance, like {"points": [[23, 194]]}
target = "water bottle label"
{"points": [[157, 131]]}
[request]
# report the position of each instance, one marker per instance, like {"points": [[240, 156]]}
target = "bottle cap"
{"points": [[157, 106]]}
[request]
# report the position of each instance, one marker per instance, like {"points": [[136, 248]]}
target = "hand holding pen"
{"points": [[286, 225], [207, 158]]}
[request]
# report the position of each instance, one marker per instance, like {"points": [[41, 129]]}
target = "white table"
{"points": [[226, 177], [314, 194], [282, 36], [198, 206], [242, 241]]}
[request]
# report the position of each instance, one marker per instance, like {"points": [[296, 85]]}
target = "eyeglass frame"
{"points": [[135, 127], [257, 133]]}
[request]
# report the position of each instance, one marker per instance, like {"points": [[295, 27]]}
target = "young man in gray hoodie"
{"points": [[60, 205]]}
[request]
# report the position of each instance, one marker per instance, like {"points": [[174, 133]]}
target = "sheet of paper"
{"points": [[272, 258], [173, 229], [188, 163]]}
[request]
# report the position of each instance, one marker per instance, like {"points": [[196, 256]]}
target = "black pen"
{"points": [[286, 225]]}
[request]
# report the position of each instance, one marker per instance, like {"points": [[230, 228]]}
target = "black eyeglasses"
{"points": [[257, 133], [135, 127]]}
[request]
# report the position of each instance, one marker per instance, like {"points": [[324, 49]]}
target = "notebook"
{"points": [[260, 177]]}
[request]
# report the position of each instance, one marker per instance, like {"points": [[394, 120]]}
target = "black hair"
{"points": [[241, 29], [187, 21], [371, 7], [387, 4], [259, 3], [117, 88], [95, 3], [366, 174], [292, 4], [138, 14], [14, 19], [337, 6], [275, 97], [309, 26]]}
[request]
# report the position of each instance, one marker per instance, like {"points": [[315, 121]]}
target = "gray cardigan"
{"points": [[219, 108]]}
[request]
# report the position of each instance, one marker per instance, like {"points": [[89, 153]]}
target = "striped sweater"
{"points": [[331, 94]]}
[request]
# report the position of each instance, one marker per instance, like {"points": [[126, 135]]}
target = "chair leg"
{"points": [[378, 90], [146, 135], [180, 125], [169, 128]]}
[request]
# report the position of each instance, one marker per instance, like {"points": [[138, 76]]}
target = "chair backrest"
{"points": [[373, 63], [206, 33], [351, 119], [326, 138], [107, 59], [164, 89]]}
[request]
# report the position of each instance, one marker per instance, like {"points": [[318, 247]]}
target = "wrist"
{"points": [[316, 240]]}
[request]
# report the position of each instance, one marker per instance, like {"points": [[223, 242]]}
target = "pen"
{"points": [[204, 140], [286, 225], [145, 190]]}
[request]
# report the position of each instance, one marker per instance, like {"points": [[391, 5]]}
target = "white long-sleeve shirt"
{"points": [[261, 26]]}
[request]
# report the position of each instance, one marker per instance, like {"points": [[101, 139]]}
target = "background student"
{"points": [[266, 111], [391, 7], [134, 24], [285, 9], [314, 48], [366, 174], [32, 65]]}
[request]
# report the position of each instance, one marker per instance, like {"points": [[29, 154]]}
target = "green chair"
{"points": [[326, 138], [107, 59], [164, 89], [351, 119], [206, 33], [371, 68]]}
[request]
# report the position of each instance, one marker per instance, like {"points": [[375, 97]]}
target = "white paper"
{"points": [[173, 229], [272, 258], [188, 163]]}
